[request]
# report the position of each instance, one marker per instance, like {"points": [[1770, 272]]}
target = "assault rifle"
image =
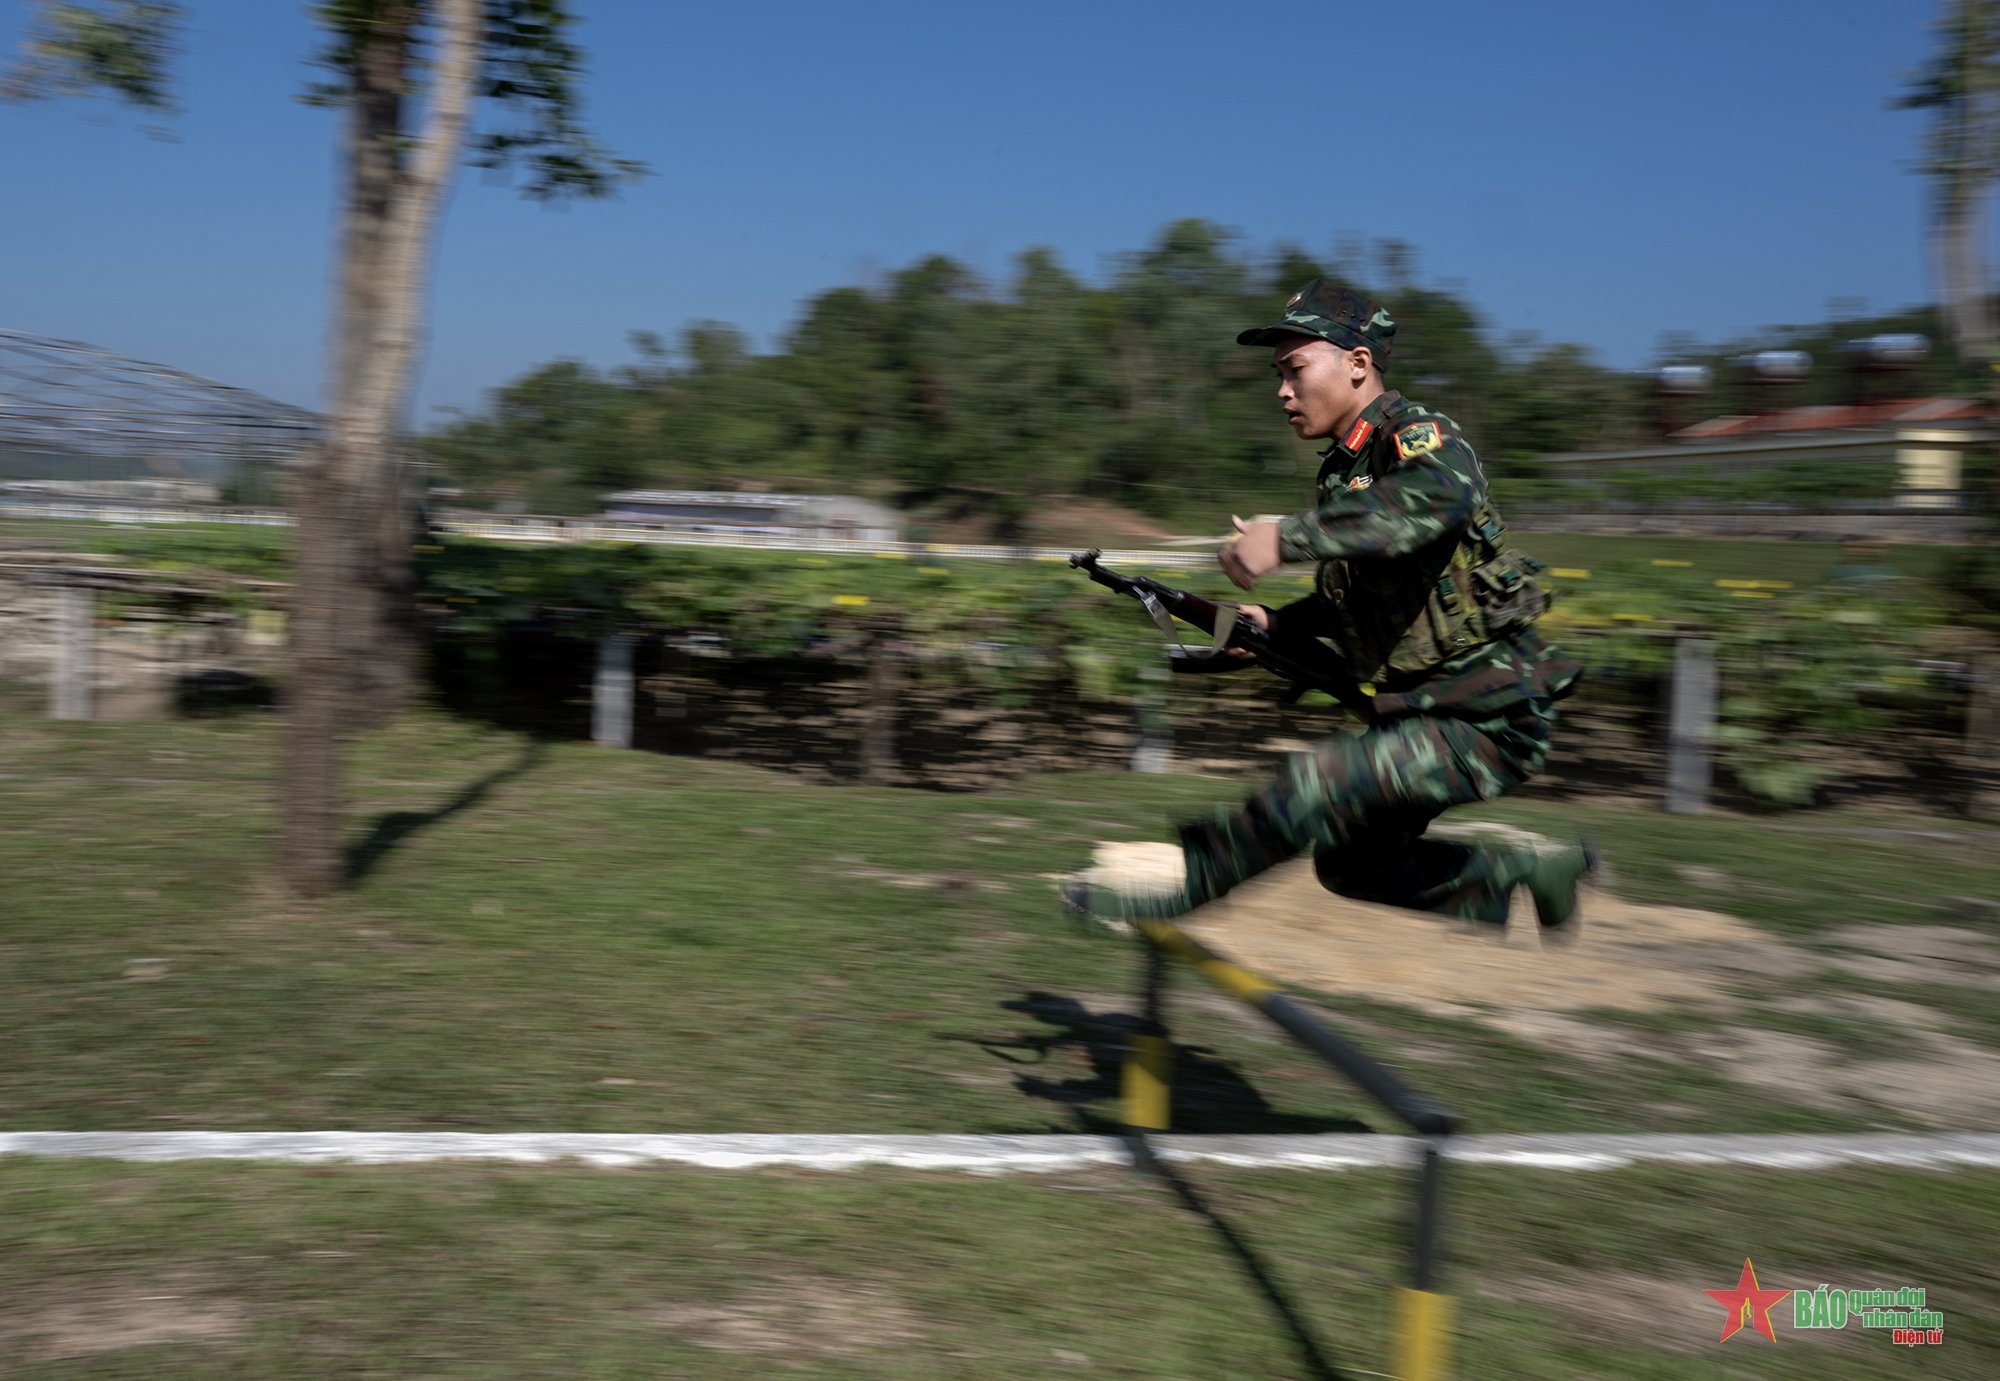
{"points": [[1303, 662]]}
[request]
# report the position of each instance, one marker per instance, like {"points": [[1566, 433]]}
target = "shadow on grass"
{"points": [[393, 827], [1209, 1095], [220, 691], [1310, 1352]]}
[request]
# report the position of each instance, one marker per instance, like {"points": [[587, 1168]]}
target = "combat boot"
{"points": [[1552, 880], [1098, 908]]}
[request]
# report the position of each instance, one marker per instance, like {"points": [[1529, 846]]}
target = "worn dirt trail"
{"points": [[1633, 958]]}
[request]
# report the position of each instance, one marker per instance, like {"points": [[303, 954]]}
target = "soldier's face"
{"points": [[1316, 382]]}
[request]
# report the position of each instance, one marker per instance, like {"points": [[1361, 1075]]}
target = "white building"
{"points": [[789, 515]]}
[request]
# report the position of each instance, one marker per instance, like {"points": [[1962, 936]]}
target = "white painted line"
{"points": [[1017, 1154], [977, 1153]]}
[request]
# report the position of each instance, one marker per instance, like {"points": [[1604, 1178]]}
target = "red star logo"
{"points": [[1747, 1304]]}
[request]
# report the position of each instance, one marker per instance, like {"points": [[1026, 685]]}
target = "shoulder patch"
{"points": [[1417, 439]]}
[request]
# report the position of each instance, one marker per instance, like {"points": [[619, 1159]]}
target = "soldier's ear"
{"points": [[1363, 358]]}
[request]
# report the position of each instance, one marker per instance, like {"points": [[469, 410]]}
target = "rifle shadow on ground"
{"points": [[1209, 1093], [392, 827], [1311, 1352]]}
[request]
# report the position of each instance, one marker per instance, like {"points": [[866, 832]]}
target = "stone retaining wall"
{"points": [[149, 659], [812, 716]]}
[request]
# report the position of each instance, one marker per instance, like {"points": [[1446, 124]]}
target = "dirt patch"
{"points": [[1868, 1010], [1083, 523], [953, 881], [1796, 1068], [1630, 958], [1942, 1082], [1918, 954], [804, 1315], [93, 1317], [1643, 1311], [1566, 1034]]}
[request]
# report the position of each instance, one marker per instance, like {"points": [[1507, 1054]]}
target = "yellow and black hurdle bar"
{"points": [[1423, 1311]]}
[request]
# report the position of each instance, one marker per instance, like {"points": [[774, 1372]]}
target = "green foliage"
{"points": [[1973, 572], [1957, 87], [1942, 373], [1803, 671], [1006, 625], [960, 400], [118, 48], [956, 399], [1810, 659], [255, 553], [531, 73], [531, 70], [1800, 483]]}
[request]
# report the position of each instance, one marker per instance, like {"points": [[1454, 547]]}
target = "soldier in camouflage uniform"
{"points": [[1432, 611]]}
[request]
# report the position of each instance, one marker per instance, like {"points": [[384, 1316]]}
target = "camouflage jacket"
{"points": [[1417, 588]]}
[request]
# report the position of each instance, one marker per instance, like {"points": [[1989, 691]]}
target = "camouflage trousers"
{"points": [[1362, 802]]}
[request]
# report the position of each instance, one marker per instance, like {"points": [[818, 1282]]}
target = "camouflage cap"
{"points": [[1334, 313]]}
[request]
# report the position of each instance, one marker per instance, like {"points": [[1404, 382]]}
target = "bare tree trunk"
{"points": [[375, 142], [388, 362], [316, 688], [341, 600], [1959, 235], [383, 379], [1964, 176]]}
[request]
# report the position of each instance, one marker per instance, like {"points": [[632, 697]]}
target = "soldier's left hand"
{"points": [[1252, 554]]}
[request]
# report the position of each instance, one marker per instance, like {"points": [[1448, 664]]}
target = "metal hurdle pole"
{"points": [[1423, 1311], [1149, 1061]]}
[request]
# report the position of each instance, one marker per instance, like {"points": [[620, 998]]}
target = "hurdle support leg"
{"points": [[1423, 1312], [1149, 1063]]}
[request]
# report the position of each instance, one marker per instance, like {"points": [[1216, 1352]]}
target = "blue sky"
{"points": [[1593, 172]]}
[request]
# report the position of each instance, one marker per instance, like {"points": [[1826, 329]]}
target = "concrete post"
{"points": [[1155, 750], [75, 665], [1691, 727], [878, 725], [611, 692], [1982, 736]]}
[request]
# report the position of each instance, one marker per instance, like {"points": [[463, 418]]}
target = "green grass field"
{"points": [[560, 937], [449, 1271], [565, 937]]}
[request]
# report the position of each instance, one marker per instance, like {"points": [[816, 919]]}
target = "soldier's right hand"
{"points": [[1255, 614]]}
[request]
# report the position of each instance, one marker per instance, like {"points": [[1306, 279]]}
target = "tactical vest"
{"points": [[1396, 618]]}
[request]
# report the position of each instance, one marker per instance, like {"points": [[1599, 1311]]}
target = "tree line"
{"points": [[944, 394]]}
